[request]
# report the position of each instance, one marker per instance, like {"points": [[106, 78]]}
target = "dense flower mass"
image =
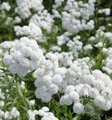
{"points": [[55, 60], [76, 15], [23, 57]]}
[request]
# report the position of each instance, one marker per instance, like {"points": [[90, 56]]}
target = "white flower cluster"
{"points": [[52, 78], [43, 112], [70, 96], [23, 57], [106, 11], [14, 113], [49, 78], [32, 31], [100, 38], [76, 70], [17, 20], [108, 35], [62, 39], [97, 85], [76, 82], [58, 3], [66, 58], [24, 7], [43, 19], [1, 103], [59, 65], [4, 47], [5, 6], [2, 97], [78, 108], [75, 46], [108, 62], [76, 15]]}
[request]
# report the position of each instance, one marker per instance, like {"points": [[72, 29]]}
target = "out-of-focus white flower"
{"points": [[106, 11], [32, 102], [78, 108], [1, 103], [31, 115], [14, 112], [5, 6]]}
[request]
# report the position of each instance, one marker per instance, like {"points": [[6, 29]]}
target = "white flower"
{"points": [[14, 112], [84, 91], [32, 102], [7, 59], [1, 103], [43, 20], [94, 92], [44, 95], [106, 11], [23, 7], [78, 108], [57, 4], [22, 85], [24, 60], [46, 109], [17, 20], [57, 79], [7, 115], [53, 88], [65, 100], [74, 96], [5, 6], [41, 112], [100, 101], [45, 114], [76, 15], [69, 89], [108, 105], [1, 114], [32, 31], [31, 115]]}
